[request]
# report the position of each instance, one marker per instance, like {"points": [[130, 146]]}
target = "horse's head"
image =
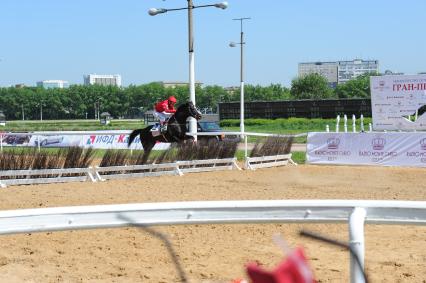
{"points": [[191, 110], [194, 112]]}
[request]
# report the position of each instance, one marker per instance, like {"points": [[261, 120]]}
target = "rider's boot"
{"points": [[156, 127]]}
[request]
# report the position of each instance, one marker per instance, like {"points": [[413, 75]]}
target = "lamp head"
{"points": [[223, 5], [155, 11], [232, 44]]}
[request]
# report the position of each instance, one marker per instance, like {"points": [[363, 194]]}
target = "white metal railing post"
{"points": [[337, 123], [370, 127], [345, 121], [327, 128], [38, 143], [245, 150], [356, 242], [362, 122], [353, 123]]}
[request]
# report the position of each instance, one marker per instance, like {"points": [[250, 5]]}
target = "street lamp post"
{"points": [[234, 44], [190, 7]]}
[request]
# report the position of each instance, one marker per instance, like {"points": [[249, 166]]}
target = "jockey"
{"points": [[164, 110]]}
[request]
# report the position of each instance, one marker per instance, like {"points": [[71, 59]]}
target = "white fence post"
{"points": [[370, 127], [353, 123], [246, 151], [38, 142], [362, 122], [356, 238], [327, 128], [337, 123], [345, 121]]}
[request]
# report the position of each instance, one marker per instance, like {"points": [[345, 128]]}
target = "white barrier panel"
{"points": [[176, 168], [386, 149], [45, 176], [134, 171], [269, 161], [207, 165], [356, 213]]}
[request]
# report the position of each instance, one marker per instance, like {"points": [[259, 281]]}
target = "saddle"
{"points": [[159, 129]]}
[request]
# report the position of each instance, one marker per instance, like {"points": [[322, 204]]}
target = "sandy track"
{"points": [[213, 253]]}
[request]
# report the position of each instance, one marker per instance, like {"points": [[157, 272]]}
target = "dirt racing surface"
{"points": [[214, 253]]}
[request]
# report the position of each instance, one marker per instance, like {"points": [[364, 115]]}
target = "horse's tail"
{"points": [[133, 135]]}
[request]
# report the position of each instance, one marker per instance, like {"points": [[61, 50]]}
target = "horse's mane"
{"points": [[182, 106]]}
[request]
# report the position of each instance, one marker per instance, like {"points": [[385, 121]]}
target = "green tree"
{"points": [[312, 86], [358, 87], [209, 96]]}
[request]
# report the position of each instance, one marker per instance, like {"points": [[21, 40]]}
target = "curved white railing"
{"points": [[356, 213]]}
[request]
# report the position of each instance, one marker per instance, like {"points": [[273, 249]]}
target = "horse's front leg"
{"points": [[188, 138]]}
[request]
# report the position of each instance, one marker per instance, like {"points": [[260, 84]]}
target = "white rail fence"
{"points": [[264, 161], [345, 124], [102, 173], [94, 174], [269, 161], [45, 176], [354, 212]]}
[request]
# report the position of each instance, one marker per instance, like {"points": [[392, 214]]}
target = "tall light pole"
{"points": [[190, 7], [234, 44]]}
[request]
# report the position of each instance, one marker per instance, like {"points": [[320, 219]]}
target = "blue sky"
{"points": [[65, 39]]}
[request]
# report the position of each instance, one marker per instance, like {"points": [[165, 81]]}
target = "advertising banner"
{"points": [[398, 102], [386, 149], [104, 140]]}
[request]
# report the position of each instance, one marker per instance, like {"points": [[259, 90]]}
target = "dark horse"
{"points": [[176, 129]]}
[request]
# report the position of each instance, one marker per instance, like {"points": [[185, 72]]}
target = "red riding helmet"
{"points": [[172, 99]]}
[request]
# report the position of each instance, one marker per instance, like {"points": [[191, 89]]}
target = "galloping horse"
{"points": [[176, 129]]}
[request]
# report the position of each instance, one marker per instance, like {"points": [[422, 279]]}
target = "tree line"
{"points": [[81, 101]]}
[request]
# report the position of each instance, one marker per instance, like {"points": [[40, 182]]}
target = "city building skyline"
{"points": [[52, 84], [329, 70], [338, 72], [106, 80], [173, 84], [348, 70]]}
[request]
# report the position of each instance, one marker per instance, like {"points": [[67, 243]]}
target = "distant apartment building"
{"points": [[53, 84], [106, 80], [329, 70], [176, 84], [340, 71], [351, 69]]}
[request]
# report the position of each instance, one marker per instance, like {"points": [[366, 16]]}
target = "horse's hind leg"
{"points": [[147, 148], [145, 156]]}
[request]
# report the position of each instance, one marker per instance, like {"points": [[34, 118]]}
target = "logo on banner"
{"points": [[423, 144], [333, 143], [378, 143], [381, 86]]}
